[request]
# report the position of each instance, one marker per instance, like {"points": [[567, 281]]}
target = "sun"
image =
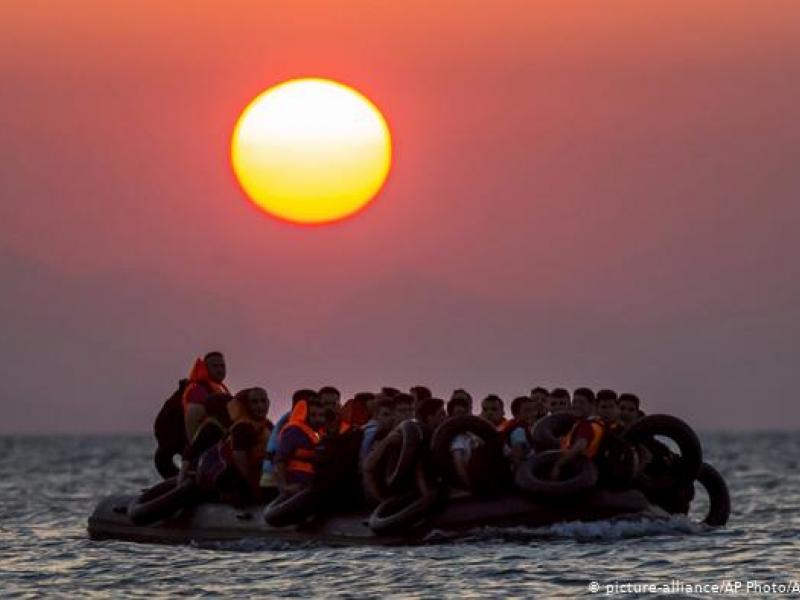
{"points": [[311, 151]]}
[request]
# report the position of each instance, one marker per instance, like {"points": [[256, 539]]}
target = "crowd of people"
{"points": [[231, 449]]}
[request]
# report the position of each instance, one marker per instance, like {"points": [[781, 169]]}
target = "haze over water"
{"points": [[580, 195]]}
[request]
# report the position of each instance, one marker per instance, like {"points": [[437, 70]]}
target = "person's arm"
{"points": [[567, 455], [460, 464], [243, 439], [193, 416], [374, 454], [519, 446], [286, 447]]}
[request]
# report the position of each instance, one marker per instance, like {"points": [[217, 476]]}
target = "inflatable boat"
{"points": [[214, 522]]}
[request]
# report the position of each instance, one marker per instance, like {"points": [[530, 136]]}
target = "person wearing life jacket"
{"points": [[518, 431], [492, 410], [589, 434], [294, 458], [268, 466], [231, 468], [205, 413], [358, 409]]}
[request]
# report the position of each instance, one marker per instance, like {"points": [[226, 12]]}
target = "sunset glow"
{"points": [[311, 151]]}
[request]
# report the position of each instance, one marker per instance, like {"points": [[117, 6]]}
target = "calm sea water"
{"points": [[49, 485]]}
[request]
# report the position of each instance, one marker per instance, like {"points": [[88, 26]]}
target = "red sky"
{"points": [[599, 194]]}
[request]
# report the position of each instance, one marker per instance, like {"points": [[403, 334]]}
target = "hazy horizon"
{"points": [[579, 196]]}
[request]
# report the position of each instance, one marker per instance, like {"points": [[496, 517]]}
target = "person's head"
{"points": [[330, 397], [628, 408], [390, 391], [607, 405], [257, 403], [304, 394], [430, 413], [492, 409], [457, 406], [316, 414], [384, 413], [462, 394], [367, 400], [583, 402], [420, 393], [558, 401], [540, 394], [523, 408], [403, 407], [215, 365]]}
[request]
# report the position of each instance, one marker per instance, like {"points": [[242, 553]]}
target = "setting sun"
{"points": [[311, 151]]}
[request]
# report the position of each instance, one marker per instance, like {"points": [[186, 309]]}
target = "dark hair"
{"points": [[428, 407], [390, 391], [560, 393], [455, 402], [516, 404], [329, 389], [385, 402], [363, 397], [492, 398], [403, 398], [304, 394], [421, 392], [629, 398], [461, 392], [539, 390], [585, 392], [212, 353], [606, 394]]}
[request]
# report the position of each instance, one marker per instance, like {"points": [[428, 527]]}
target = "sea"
{"points": [[50, 484]]}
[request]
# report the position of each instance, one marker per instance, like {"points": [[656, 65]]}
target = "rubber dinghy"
{"points": [[211, 522]]}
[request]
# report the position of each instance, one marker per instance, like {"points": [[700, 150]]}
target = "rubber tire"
{"points": [[719, 509], [620, 466], [160, 501], [374, 479], [529, 476], [449, 429], [291, 508], [410, 449], [691, 451], [402, 513], [548, 431]]}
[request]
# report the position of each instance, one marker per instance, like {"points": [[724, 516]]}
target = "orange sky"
{"points": [[582, 194]]}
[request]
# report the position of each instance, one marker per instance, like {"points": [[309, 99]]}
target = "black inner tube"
{"points": [[666, 472], [533, 476]]}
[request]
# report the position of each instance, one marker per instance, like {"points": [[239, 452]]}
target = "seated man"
{"points": [[294, 458], [331, 398], [403, 408], [558, 401], [205, 401], [583, 402], [492, 410], [457, 406], [232, 467], [358, 410], [383, 423], [268, 468], [540, 396], [628, 409], [589, 433], [518, 432]]}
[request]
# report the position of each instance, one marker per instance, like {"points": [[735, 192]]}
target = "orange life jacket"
{"points": [[199, 376], [302, 460], [598, 427], [502, 425]]}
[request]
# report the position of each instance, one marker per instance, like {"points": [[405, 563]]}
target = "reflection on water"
{"points": [[49, 485]]}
